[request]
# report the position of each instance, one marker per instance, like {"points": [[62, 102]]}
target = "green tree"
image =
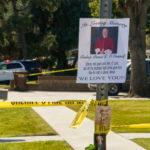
{"points": [[24, 25], [39, 38], [136, 10], [66, 26], [7, 34], [95, 9]]}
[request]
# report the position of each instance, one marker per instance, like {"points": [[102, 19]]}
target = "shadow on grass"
{"points": [[11, 140]]}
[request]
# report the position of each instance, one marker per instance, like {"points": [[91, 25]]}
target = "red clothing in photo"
{"points": [[104, 44]]}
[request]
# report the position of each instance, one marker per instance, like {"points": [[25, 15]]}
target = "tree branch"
{"points": [[28, 5]]}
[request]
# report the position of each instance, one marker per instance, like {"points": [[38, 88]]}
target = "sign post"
{"points": [[103, 46], [102, 89]]}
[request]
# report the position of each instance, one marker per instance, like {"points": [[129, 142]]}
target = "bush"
{"points": [[90, 147]]}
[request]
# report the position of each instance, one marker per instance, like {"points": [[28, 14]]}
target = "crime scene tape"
{"points": [[49, 103], [105, 129], [134, 126], [34, 74], [4, 86], [102, 129], [82, 113], [48, 72], [79, 117]]}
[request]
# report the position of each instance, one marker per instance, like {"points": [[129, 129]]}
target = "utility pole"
{"points": [[102, 89]]}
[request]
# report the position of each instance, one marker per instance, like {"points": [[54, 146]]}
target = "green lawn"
{"points": [[125, 112], [22, 122], [144, 142], [47, 145]]}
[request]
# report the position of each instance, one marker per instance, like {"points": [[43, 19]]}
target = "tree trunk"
{"points": [[138, 81], [20, 32], [62, 62], [137, 44], [22, 43]]}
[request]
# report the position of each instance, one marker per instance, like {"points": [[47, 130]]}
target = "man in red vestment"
{"points": [[104, 45]]}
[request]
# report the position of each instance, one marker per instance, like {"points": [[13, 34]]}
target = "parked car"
{"points": [[10, 66], [29, 66], [114, 89], [32, 67], [14, 66], [6, 76]]}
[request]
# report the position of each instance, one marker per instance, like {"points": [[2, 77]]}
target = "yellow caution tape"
{"points": [[101, 129], [34, 74], [49, 72], [105, 129], [50, 103], [134, 126], [5, 86], [80, 115], [31, 82], [99, 102]]}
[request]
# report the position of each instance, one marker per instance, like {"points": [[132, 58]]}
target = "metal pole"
{"points": [[102, 89]]}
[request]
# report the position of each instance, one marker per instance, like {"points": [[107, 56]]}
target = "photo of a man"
{"points": [[104, 40], [104, 44]]}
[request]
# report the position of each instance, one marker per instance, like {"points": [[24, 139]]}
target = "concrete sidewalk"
{"points": [[135, 135], [60, 118]]}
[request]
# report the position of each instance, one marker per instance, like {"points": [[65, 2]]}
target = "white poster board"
{"points": [[103, 47]]}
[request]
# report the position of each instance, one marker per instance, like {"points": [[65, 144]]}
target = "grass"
{"points": [[125, 112], [47, 145], [22, 122], [144, 142]]}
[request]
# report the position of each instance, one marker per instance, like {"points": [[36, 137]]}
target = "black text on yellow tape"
{"points": [[80, 115], [49, 103], [101, 129], [39, 104]]}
